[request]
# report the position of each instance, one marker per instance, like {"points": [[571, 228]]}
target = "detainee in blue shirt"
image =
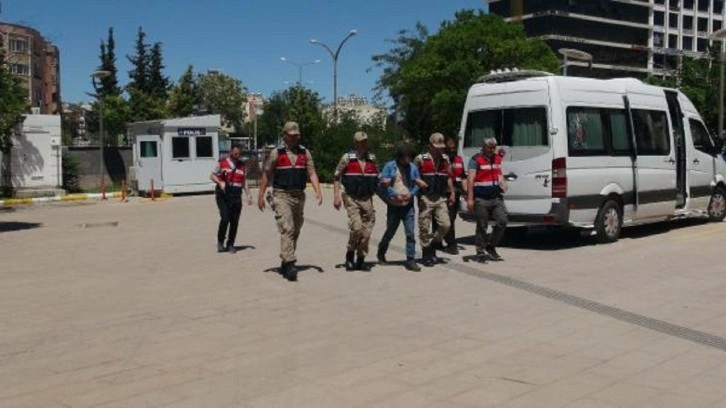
{"points": [[400, 181]]}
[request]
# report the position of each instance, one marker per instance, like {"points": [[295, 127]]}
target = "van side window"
{"points": [[481, 125], [525, 127], [651, 132], [701, 140], [597, 132]]}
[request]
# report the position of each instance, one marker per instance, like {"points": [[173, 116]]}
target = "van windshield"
{"points": [[513, 127]]}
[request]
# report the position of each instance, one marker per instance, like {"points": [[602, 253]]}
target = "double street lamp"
{"points": [[335, 54], [299, 66], [100, 75], [720, 35], [570, 53]]}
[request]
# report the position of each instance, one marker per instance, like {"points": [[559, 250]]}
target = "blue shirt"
{"points": [[389, 172]]}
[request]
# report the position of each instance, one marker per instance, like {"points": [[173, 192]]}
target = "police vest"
{"points": [[458, 174], [437, 179], [288, 175], [233, 174], [360, 181], [486, 180]]}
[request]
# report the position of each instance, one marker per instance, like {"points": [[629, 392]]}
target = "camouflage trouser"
{"points": [[361, 218], [428, 209], [288, 206]]}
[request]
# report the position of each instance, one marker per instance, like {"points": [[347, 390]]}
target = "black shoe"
{"points": [[493, 255], [231, 249], [350, 261], [291, 272], [412, 266], [428, 257], [481, 258], [220, 247], [361, 265], [382, 258], [284, 269], [452, 250]]}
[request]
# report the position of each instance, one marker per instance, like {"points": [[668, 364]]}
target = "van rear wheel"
{"points": [[717, 205], [609, 222]]}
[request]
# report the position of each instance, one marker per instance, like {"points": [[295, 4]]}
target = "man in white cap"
{"points": [[289, 166], [437, 193], [357, 171]]}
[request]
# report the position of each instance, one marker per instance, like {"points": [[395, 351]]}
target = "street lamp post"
{"points": [[99, 75], [335, 54], [255, 95], [720, 35], [299, 66], [569, 53]]}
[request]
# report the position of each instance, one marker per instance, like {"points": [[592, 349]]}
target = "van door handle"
{"points": [[670, 160], [696, 161], [510, 177]]}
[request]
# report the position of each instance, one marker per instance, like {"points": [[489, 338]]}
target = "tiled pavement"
{"points": [[146, 314]]}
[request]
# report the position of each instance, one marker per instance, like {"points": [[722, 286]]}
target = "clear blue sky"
{"points": [[243, 38]]}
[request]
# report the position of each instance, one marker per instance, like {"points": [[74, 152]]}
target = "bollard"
{"points": [[153, 198], [123, 190], [103, 189]]}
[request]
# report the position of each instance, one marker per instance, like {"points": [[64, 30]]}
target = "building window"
{"points": [[148, 149], [673, 21], [204, 147], [688, 4], [703, 5], [687, 23], [659, 18], [717, 7], [180, 147], [18, 45], [703, 24], [688, 43], [716, 25], [673, 41], [702, 45], [20, 69]]}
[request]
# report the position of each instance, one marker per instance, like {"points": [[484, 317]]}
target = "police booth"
{"points": [[176, 155]]}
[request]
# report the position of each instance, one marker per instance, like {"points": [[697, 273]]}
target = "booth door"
{"points": [[148, 162]]}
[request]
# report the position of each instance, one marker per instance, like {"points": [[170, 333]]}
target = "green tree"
{"points": [[184, 97], [13, 103], [159, 84], [116, 114], [298, 104], [140, 63], [223, 95], [109, 85], [428, 76]]}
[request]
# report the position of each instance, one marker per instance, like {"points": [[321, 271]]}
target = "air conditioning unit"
{"points": [[35, 110]]}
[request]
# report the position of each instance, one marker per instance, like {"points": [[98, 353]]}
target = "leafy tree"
{"points": [[13, 103], [298, 104], [184, 97], [116, 114], [223, 95], [140, 62], [159, 84], [145, 106], [428, 76], [109, 85]]}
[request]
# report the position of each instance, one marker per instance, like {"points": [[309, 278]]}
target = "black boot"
{"points": [[361, 265], [493, 255], [382, 258], [284, 269], [350, 261], [220, 247], [291, 272], [428, 258]]}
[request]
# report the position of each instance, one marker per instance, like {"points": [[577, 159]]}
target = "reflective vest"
{"points": [[486, 180], [437, 179], [233, 174], [289, 176], [458, 173], [360, 182]]}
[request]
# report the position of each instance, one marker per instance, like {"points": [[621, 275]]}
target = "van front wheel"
{"points": [[609, 222], [717, 205]]}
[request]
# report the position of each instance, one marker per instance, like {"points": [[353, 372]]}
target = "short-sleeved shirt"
{"points": [[292, 154]]}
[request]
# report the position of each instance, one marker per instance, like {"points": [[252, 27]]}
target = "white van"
{"points": [[595, 154]]}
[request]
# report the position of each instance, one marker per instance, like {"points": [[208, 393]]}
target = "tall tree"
{"points": [[140, 62], [428, 76], [184, 97], [13, 103], [109, 85], [158, 83], [224, 95], [116, 114]]}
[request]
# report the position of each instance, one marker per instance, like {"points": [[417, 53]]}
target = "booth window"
{"points": [[204, 147], [148, 149], [180, 148]]}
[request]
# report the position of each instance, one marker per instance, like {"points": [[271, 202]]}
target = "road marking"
{"points": [[660, 326]]}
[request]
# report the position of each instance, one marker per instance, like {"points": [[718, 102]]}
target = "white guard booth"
{"points": [[36, 156], [177, 154]]}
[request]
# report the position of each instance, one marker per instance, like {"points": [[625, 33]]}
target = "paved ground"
{"points": [[127, 305]]}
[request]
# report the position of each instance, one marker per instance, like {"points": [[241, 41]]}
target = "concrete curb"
{"points": [[69, 197]]}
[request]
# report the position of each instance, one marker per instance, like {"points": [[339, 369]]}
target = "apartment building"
{"points": [[626, 37], [36, 62]]}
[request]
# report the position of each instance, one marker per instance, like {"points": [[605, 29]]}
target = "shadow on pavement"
{"points": [[18, 226], [243, 247], [554, 239], [300, 268]]}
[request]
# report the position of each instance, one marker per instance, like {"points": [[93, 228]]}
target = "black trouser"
{"points": [[450, 237], [229, 212]]}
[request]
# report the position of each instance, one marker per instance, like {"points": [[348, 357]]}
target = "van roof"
{"points": [[526, 79]]}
